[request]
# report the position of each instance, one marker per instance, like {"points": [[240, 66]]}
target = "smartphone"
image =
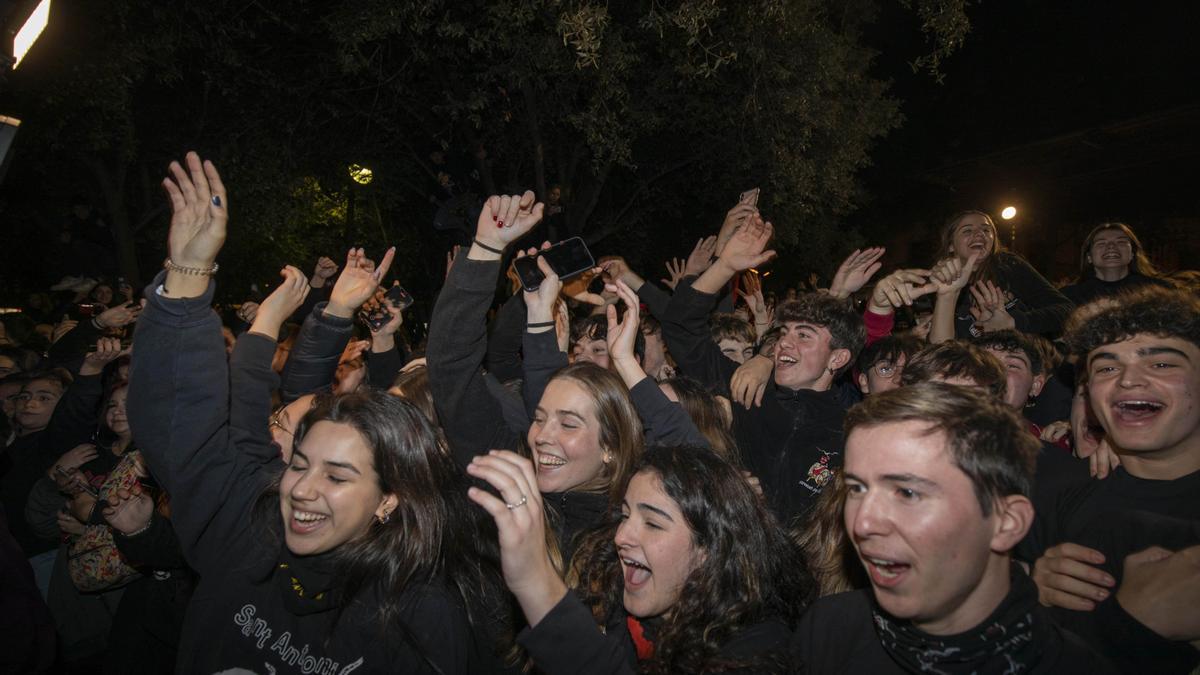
{"points": [[89, 308], [83, 483], [567, 258], [398, 297], [749, 197]]}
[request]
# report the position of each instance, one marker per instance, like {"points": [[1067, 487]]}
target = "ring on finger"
{"points": [[524, 500]]}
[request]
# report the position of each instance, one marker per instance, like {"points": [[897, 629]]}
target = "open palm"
{"points": [[199, 212]]}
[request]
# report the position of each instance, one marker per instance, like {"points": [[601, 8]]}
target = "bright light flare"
{"points": [[1009, 213], [361, 174], [30, 31]]}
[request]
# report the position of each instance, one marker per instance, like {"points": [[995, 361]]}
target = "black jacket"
{"points": [[792, 443], [242, 615], [314, 358], [1093, 288], [567, 640], [1036, 306]]}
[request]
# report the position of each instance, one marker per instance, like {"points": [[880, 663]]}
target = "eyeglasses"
{"points": [[273, 422], [886, 370]]}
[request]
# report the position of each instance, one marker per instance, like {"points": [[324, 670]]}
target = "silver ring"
{"points": [[523, 502]]}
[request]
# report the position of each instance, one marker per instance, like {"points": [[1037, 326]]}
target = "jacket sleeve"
{"points": [[314, 358], [179, 413], [685, 330], [504, 340], [664, 421], [655, 298], [1042, 309], [157, 547], [251, 381], [542, 360], [383, 367], [41, 510], [878, 326], [471, 417], [76, 416], [567, 640]]}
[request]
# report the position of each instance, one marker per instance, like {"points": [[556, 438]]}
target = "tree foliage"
{"points": [[652, 115]]}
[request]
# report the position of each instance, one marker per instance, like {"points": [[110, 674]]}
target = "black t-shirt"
{"points": [[1093, 288]]}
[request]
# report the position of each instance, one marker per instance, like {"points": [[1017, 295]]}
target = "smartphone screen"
{"points": [[567, 258], [399, 297]]}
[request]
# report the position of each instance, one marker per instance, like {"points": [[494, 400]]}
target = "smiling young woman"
{"points": [[691, 573]]}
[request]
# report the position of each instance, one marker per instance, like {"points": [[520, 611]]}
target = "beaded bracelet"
{"points": [[168, 264]]}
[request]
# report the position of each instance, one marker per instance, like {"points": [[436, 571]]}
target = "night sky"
{"points": [[1074, 112]]}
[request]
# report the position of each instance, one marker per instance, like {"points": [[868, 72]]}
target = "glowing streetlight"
{"points": [[1009, 212], [30, 31], [361, 174]]}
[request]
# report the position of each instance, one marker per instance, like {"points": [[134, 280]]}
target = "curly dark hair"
{"points": [[751, 572], [1150, 309], [955, 358], [836, 315]]}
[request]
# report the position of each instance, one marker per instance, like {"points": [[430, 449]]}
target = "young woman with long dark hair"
{"points": [[689, 573], [1112, 260], [358, 555]]}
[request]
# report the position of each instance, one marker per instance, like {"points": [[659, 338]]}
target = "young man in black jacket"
{"points": [[938, 478], [1123, 567], [793, 442]]}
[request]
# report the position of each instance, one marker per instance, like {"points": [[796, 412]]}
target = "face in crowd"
{"points": [[114, 412], [283, 424], [565, 438], [656, 547], [973, 234], [804, 357], [1111, 251], [330, 491], [738, 351], [1021, 382], [36, 403], [918, 528], [883, 375], [590, 350], [1144, 392]]}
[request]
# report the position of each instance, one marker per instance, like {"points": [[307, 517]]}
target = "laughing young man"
{"points": [[1140, 359], [793, 442], [938, 478]]}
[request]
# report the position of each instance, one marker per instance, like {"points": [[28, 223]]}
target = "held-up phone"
{"points": [[749, 197], [567, 258], [89, 308], [398, 297], [82, 483]]}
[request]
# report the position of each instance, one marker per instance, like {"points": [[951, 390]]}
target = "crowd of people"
{"points": [[949, 468]]}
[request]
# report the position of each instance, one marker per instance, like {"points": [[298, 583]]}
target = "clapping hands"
{"points": [[855, 271]]}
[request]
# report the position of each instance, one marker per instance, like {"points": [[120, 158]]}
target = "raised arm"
{"points": [[179, 385], [949, 277], [542, 356], [470, 415]]}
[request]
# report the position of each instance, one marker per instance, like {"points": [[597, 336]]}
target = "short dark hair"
{"points": [[836, 315], [954, 358], [61, 376], [1009, 340], [730, 327], [889, 348], [1151, 310], [595, 327], [986, 438]]}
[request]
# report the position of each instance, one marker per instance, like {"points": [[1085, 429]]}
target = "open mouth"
{"points": [[307, 522], [548, 461], [1136, 410], [785, 361], [636, 573], [885, 572]]}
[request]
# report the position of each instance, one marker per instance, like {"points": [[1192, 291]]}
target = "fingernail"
{"points": [[216, 200], [1100, 595]]}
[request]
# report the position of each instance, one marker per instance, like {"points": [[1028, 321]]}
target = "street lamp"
{"points": [[1009, 213], [361, 174], [30, 30]]}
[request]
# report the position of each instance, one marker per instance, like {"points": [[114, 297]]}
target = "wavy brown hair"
{"points": [[1139, 263], [751, 572], [988, 269]]}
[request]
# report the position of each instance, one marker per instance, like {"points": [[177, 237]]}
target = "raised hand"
{"points": [[1161, 589], [855, 271], [734, 219], [199, 214], [701, 257], [675, 272], [751, 292], [505, 219], [952, 275], [539, 304], [622, 334], [130, 510], [62, 328], [119, 316], [900, 289], [323, 272], [988, 310], [747, 247], [749, 381], [357, 282], [281, 303], [107, 351], [520, 523], [248, 312]]}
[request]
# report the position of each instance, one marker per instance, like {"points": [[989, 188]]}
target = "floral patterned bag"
{"points": [[93, 560]]}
